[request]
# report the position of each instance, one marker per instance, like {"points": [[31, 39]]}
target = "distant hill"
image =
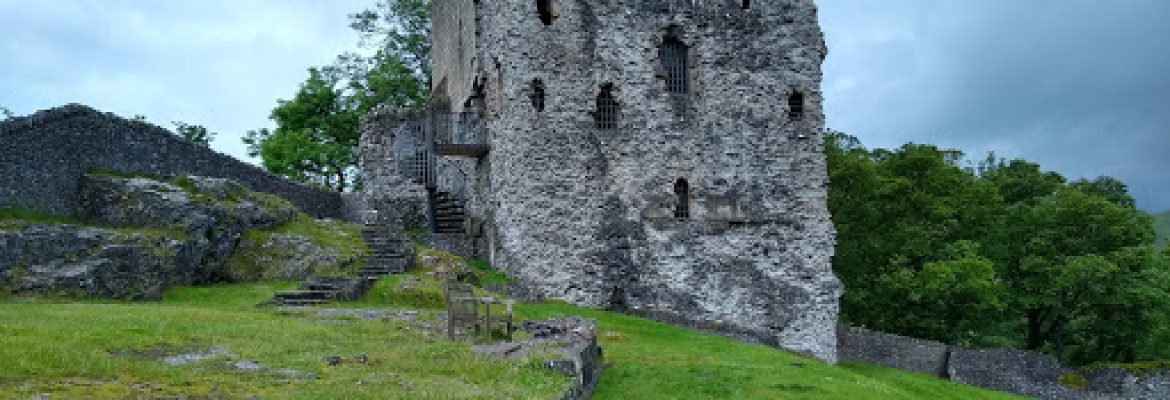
{"points": [[1162, 226]]}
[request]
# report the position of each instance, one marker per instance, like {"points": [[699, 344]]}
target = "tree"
{"points": [[1108, 187], [315, 136], [907, 225], [4, 111], [1004, 254], [1065, 256], [318, 130], [195, 133]]}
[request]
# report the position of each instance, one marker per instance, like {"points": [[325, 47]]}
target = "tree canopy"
{"points": [[1003, 254], [317, 131]]}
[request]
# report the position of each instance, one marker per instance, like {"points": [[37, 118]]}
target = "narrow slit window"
{"points": [[795, 106], [682, 191], [674, 60], [607, 108], [546, 11], [538, 95]]}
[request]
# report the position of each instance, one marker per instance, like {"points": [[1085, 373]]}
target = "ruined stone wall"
{"points": [[453, 42], [42, 157], [587, 215], [389, 197], [899, 352]]}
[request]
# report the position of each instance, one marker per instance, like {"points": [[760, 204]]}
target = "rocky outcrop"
{"points": [[71, 260], [141, 236], [287, 256]]}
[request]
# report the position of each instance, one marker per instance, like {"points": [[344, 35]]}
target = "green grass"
{"points": [[1162, 227], [43, 344], [487, 274], [25, 214], [650, 360], [94, 350]]}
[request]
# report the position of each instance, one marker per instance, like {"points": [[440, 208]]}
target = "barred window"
{"points": [[607, 108], [545, 9], [538, 95], [795, 106], [674, 60], [682, 191]]}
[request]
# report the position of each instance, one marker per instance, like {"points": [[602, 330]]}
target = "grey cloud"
{"points": [[1082, 87]]}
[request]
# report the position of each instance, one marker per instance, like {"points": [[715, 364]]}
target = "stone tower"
{"points": [[659, 157]]}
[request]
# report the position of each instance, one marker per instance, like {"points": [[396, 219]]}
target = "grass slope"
{"points": [[1162, 226], [67, 350], [650, 360], [45, 344]]}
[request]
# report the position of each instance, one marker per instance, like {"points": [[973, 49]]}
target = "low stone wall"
{"points": [[898, 352], [43, 156], [1020, 372], [1014, 371]]}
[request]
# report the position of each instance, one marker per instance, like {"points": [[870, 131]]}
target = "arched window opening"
{"points": [[795, 106], [674, 60], [538, 95], [607, 108], [746, 4], [682, 191], [547, 11]]}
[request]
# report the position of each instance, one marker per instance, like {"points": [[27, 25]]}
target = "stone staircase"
{"points": [[389, 254], [448, 213]]}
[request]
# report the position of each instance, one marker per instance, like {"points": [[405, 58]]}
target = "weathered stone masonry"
{"points": [[591, 152], [44, 155]]}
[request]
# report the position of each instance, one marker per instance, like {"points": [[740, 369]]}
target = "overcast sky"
{"points": [[1080, 86]]}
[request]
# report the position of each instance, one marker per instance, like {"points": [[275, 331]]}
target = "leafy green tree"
{"points": [[315, 136], [318, 130], [1004, 254], [195, 133], [1108, 187], [1019, 180], [953, 299], [901, 218]]}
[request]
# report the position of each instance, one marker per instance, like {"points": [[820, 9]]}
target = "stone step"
{"points": [[302, 302], [389, 269], [388, 254], [306, 295], [318, 287]]}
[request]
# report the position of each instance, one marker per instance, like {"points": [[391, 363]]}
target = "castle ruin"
{"points": [[663, 158]]}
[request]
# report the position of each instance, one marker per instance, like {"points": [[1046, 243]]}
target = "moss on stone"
{"points": [[1137, 369], [1074, 380], [19, 215], [252, 260]]}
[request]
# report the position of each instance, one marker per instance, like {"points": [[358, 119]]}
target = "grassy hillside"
{"points": [[118, 350], [111, 350], [1162, 225]]}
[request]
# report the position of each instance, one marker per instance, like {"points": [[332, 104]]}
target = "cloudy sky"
{"points": [[1080, 86]]}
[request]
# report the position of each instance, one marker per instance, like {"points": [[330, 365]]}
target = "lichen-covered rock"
{"points": [[286, 256], [71, 260], [148, 235]]}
